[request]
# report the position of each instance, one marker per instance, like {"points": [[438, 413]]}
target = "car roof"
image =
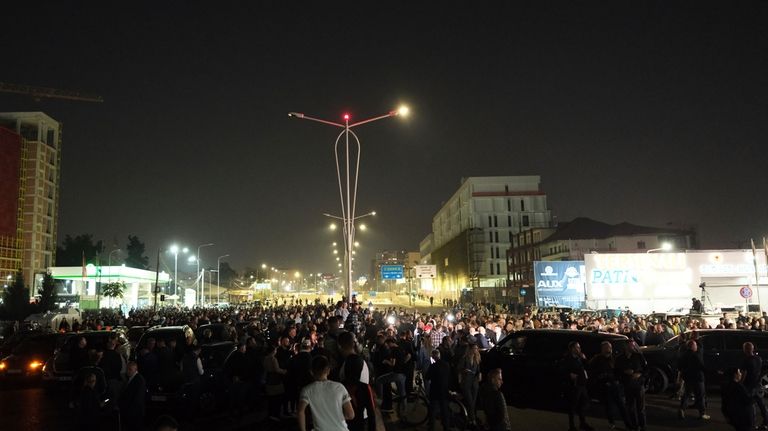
{"points": [[571, 332], [730, 332]]}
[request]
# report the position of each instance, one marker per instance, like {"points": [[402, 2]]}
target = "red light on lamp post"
{"points": [[346, 117]]}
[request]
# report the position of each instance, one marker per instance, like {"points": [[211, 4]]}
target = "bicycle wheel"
{"points": [[459, 418], [413, 410]]}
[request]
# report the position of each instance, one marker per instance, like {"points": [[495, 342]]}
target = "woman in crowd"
{"points": [[469, 372]]}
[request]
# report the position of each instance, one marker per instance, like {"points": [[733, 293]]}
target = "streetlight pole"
{"points": [[348, 200], [197, 274], [175, 250], [218, 276]]}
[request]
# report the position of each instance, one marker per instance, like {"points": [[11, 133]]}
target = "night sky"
{"points": [[647, 112]]}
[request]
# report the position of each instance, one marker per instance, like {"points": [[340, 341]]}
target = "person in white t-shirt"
{"points": [[330, 402]]}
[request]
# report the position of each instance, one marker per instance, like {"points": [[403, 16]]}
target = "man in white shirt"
{"points": [[330, 402]]}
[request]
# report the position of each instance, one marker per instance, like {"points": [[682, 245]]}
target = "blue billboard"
{"points": [[560, 283], [392, 272]]}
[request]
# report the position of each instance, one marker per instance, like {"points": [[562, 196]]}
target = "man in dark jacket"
{"points": [[576, 386], [603, 369], [492, 402], [631, 368], [737, 402], [752, 369], [691, 370], [132, 399], [439, 376]]}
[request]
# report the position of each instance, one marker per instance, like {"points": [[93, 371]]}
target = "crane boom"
{"points": [[51, 93]]}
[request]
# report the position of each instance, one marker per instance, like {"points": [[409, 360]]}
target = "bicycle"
{"points": [[414, 408]]}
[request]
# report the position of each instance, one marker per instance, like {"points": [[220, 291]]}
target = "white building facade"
{"points": [[493, 209]]}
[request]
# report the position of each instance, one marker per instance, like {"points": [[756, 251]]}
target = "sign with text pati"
{"points": [[560, 283], [391, 272], [426, 271]]}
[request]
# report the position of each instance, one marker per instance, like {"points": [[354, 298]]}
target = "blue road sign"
{"points": [[391, 272]]}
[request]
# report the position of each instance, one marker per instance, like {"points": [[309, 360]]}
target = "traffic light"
{"points": [[162, 298]]}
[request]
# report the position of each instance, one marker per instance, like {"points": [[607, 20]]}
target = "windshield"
{"points": [[35, 346], [674, 341]]}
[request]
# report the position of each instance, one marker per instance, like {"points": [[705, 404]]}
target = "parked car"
{"points": [[27, 359], [720, 349], [61, 368], [14, 340], [169, 392], [530, 361], [213, 333]]}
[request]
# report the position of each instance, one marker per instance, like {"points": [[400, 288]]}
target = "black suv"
{"points": [[720, 349], [61, 368], [27, 359], [170, 388], [530, 361]]}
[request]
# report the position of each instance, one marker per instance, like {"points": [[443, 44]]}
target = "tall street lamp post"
{"points": [[175, 251], [348, 193], [199, 286]]}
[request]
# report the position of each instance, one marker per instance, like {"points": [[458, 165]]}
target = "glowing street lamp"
{"points": [[665, 246], [348, 194]]}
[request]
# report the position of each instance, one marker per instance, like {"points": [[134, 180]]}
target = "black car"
{"points": [[14, 340], [29, 356], [530, 361], [213, 333], [61, 368], [720, 349]]}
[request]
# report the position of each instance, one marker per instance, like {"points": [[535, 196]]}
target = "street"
{"points": [[34, 408]]}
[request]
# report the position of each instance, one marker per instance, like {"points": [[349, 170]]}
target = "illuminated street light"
{"points": [[357, 244], [200, 282], [348, 194], [192, 259], [363, 227], [332, 226], [335, 252], [665, 246]]}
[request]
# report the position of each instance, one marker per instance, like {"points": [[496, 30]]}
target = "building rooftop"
{"points": [[586, 228]]}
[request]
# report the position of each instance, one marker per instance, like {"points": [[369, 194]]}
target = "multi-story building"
{"points": [[572, 240], [38, 190], [11, 204], [473, 229]]}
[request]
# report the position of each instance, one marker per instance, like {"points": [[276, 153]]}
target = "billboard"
{"points": [[663, 282], [560, 283], [392, 272]]}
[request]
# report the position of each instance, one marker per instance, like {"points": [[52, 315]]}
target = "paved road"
{"points": [[33, 408], [661, 411]]}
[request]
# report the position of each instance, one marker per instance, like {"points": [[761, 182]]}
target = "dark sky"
{"points": [[648, 112]]}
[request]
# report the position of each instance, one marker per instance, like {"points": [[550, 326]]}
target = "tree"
{"points": [[16, 299], [226, 274], [47, 293], [135, 250], [71, 251], [113, 290]]}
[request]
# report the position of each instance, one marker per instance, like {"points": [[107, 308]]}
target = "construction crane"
{"points": [[50, 93]]}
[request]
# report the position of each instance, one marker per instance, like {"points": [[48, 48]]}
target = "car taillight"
{"points": [[3, 365]]}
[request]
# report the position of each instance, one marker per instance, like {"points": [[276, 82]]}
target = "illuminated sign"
{"points": [[559, 283], [647, 282]]}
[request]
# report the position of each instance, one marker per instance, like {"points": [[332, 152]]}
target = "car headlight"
{"points": [[35, 365], [3, 365]]}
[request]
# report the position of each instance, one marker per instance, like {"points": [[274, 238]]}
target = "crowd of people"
{"points": [[345, 360]]}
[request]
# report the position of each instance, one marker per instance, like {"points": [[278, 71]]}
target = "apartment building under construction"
{"points": [[30, 166]]}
